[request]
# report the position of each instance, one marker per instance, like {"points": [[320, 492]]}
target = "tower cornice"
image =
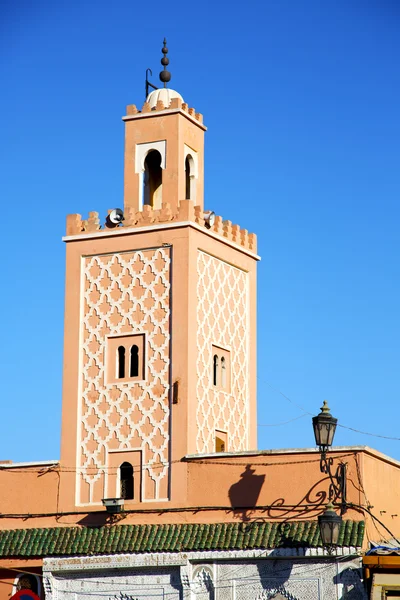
{"points": [[158, 227], [165, 111]]}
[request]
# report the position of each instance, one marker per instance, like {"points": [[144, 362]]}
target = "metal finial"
{"points": [[165, 75], [325, 408]]}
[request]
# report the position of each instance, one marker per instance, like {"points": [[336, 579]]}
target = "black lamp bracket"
{"points": [[337, 487], [148, 83]]}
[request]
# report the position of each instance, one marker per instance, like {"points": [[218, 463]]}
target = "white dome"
{"points": [[163, 94]]}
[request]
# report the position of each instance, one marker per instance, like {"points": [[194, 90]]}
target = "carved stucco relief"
{"points": [[223, 320], [126, 293]]}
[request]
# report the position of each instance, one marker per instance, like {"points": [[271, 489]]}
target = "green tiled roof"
{"points": [[67, 541]]}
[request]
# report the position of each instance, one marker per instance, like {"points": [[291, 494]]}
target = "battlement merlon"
{"points": [[186, 212], [176, 106]]}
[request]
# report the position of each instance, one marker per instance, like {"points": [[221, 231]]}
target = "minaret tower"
{"points": [[160, 322]]}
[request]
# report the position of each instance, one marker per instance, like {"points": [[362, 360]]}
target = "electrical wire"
{"points": [[306, 412]]}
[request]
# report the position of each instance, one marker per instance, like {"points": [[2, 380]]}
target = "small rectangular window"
{"points": [[125, 358], [221, 441]]}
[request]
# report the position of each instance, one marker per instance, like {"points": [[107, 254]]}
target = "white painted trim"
{"points": [[141, 184], [189, 151], [39, 463], [333, 451], [157, 227], [142, 150], [161, 113], [78, 446], [127, 383]]}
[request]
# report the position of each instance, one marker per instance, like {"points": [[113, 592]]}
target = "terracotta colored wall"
{"points": [[176, 129], [116, 245], [381, 490], [271, 480], [29, 489], [223, 488], [90, 413]]}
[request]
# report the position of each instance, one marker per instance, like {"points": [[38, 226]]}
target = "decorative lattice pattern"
{"points": [[223, 320], [123, 294]]}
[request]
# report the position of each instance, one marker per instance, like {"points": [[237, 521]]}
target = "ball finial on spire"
{"points": [[165, 75]]}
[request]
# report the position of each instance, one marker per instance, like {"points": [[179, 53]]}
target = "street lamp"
{"points": [[113, 505], [329, 522], [329, 526], [324, 428]]}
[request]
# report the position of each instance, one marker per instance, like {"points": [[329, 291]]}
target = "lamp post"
{"points": [[324, 426]]}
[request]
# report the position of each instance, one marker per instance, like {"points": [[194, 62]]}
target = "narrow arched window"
{"points": [[134, 367], [126, 479], [215, 370], [152, 181], [121, 362], [187, 178], [223, 372]]}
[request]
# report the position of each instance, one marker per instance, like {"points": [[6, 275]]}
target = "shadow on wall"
{"points": [[243, 494], [351, 580]]}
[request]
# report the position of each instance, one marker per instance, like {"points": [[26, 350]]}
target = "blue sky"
{"points": [[301, 100]]}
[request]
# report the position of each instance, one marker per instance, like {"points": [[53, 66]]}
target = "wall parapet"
{"points": [[186, 211], [175, 104]]}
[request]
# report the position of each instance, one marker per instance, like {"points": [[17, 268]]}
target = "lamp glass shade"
{"points": [[324, 427], [329, 526]]}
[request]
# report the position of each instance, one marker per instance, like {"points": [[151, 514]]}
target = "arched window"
{"points": [[223, 372], [221, 365], [27, 582], [134, 368], [152, 182], [190, 178], [215, 370], [121, 362], [187, 178], [126, 479]]}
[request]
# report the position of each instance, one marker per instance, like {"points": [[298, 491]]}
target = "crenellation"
{"points": [[253, 242], [236, 234], [130, 217], [93, 222], [218, 225], [166, 213], [74, 224], [176, 103], [227, 229], [244, 238], [148, 215], [131, 109], [186, 211], [199, 218]]}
